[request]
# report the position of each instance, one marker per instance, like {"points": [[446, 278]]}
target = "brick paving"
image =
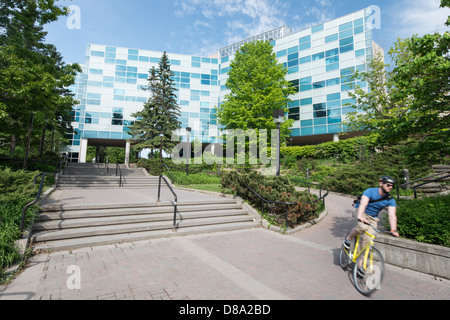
{"points": [[255, 264]]}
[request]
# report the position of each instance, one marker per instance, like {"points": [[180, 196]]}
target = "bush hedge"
{"points": [[305, 206], [425, 220], [18, 190]]}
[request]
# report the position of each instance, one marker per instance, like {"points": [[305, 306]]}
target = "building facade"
{"points": [[320, 62]]}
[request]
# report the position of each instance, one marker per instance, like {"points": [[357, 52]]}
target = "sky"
{"points": [[201, 27]]}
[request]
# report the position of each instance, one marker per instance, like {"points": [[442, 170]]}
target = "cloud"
{"points": [[421, 17]]}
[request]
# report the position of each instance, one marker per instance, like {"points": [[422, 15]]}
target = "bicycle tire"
{"points": [[373, 275], [344, 257]]}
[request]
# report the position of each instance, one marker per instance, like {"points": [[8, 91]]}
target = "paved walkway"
{"points": [[255, 264]]}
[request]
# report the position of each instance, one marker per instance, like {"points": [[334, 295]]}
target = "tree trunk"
{"points": [[12, 147], [27, 147], [41, 144]]}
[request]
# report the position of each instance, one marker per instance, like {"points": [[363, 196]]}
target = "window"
{"points": [[318, 56], [331, 38]]}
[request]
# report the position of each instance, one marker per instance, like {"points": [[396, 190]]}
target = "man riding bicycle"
{"points": [[373, 200]]}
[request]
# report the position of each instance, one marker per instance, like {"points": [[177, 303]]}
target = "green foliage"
{"points": [[346, 150], [17, 190], [161, 112], [426, 220], [195, 178], [258, 87], [273, 188]]}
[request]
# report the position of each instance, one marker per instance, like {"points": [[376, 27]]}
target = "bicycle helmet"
{"points": [[387, 179]]}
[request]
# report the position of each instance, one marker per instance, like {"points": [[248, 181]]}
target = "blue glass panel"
{"points": [[281, 53], [305, 59], [320, 130], [359, 22], [305, 101], [295, 132], [305, 80], [133, 52], [332, 82], [346, 34], [97, 54], [318, 56], [333, 104], [293, 69], [304, 39], [360, 52], [359, 30], [317, 28], [95, 71], [121, 62], [331, 38], [144, 59], [195, 64], [334, 128], [196, 59], [305, 87], [306, 123], [293, 63], [305, 46], [132, 69], [347, 71], [332, 60], [346, 48], [307, 131], [319, 84], [110, 61], [332, 67], [292, 50], [346, 26], [134, 58], [334, 96], [332, 52], [346, 41], [90, 134], [292, 56], [110, 49]]}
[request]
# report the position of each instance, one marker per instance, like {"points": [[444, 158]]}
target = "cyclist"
{"points": [[373, 200]]}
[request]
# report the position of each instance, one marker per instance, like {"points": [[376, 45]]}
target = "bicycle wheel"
{"points": [[369, 278], [345, 255]]}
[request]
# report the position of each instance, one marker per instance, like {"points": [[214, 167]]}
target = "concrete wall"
{"points": [[426, 258]]}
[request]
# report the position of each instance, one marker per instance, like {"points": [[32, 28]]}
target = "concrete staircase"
{"points": [[438, 186], [93, 175], [77, 226]]}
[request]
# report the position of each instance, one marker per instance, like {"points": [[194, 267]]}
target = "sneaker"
{"points": [[360, 272], [347, 243]]}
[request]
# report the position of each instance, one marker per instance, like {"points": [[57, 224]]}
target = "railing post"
{"points": [[159, 188]]}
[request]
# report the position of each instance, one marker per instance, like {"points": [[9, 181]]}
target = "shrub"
{"points": [[272, 188], [425, 220], [195, 178]]}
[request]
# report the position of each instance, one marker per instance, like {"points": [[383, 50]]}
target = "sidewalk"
{"points": [[255, 264]]}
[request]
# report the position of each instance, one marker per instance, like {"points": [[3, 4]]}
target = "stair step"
{"points": [[104, 221], [81, 214], [96, 206], [133, 227], [130, 237]]}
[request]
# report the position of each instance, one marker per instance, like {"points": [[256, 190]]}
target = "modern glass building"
{"points": [[320, 61]]}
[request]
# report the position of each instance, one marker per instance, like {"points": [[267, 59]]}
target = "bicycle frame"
{"points": [[354, 256]]}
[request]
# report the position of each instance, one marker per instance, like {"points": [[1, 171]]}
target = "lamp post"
{"points": [[188, 149], [278, 118]]}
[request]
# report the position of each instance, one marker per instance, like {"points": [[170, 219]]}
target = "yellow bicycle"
{"points": [[368, 264]]}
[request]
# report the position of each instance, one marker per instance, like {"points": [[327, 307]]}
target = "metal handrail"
{"points": [[24, 210], [170, 172], [317, 185], [419, 185], [410, 182], [161, 177], [120, 171], [263, 200]]}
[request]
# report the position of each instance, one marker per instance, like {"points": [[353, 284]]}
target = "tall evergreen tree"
{"points": [[160, 113]]}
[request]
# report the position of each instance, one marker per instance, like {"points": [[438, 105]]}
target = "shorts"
{"points": [[362, 228]]}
